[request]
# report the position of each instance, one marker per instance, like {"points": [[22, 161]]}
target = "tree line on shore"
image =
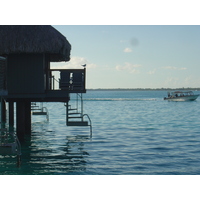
{"points": [[138, 89]]}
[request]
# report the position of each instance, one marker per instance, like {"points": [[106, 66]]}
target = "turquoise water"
{"points": [[134, 133]]}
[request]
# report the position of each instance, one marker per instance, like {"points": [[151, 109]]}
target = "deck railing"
{"points": [[72, 80]]}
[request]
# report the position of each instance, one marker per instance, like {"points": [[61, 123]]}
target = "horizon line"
{"points": [[183, 88]]}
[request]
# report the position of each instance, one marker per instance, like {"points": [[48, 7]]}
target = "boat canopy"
{"points": [[181, 92]]}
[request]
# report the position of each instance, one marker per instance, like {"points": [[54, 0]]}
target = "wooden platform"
{"points": [[77, 123], [39, 113]]}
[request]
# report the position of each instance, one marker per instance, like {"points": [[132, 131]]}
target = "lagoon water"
{"points": [[134, 133]]}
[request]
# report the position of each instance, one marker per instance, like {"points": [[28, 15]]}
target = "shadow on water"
{"points": [[49, 152]]}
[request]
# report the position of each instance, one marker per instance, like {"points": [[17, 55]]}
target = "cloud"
{"points": [[180, 82], [189, 80], [123, 41], [172, 82], [132, 68], [182, 68], [174, 68], [152, 72], [169, 67], [127, 50], [75, 62]]}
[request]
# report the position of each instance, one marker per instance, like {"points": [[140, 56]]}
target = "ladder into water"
{"points": [[39, 110], [75, 115]]}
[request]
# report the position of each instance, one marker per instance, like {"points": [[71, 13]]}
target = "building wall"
{"points": [[25, 74]]}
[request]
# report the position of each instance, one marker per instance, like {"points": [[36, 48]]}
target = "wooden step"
{"points": [[39, 113], [75, 117], [77, 123], [72, 109], [35, 108]]}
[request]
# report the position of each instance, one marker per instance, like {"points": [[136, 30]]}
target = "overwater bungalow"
{"points": [[26, 53]]}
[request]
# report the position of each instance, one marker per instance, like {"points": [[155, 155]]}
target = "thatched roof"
{"points": [[15, 39]]}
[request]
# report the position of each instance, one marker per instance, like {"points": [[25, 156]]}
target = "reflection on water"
{"points": [[129, 137], [49, 152]]}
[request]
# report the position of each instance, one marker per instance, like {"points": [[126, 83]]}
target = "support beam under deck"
{"points": [[23, 118]]}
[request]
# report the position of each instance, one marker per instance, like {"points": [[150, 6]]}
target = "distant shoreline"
{"points": [[142, 89]]}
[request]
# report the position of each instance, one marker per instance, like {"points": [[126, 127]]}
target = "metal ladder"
{"points": [[39, 110], [9, 144], [75, 116]]}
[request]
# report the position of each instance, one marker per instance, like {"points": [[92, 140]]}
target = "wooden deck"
{"points": [[48, 96], [70, 81]]}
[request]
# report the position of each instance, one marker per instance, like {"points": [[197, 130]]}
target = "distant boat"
{"points": [[181, 96]]}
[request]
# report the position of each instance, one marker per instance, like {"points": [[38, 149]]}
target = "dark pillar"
{"points": [[23, 118], [28, 117], [11, 116], [3, 113]]}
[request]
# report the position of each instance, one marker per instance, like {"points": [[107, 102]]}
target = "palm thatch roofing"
{"points": [[37, 39]]}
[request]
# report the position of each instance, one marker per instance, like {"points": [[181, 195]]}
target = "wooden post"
{"points": [[20, 120], [23, 118], [3, 113], [11, 116], [84, 79], [27, 117]]}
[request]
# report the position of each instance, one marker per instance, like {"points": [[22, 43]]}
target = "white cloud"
{"points": [[179, 82], [169, 67], [132, 68], [188, 80], [152, 72], [127, 50], [174, 68], [183, 68], [172, 82], [123, 41], [75, 62]]}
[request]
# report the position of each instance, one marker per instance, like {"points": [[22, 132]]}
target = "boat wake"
{"points": [[119, 99]]}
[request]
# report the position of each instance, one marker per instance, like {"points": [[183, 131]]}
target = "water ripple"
{"points": [[133, 133]]}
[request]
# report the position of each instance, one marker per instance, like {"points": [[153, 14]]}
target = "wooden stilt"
{"points": [[27, 114], [20, 120], [23, 119], [11, 116], [3, 113]]}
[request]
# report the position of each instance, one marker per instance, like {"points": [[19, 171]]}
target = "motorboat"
{"points": [[181, 96]]}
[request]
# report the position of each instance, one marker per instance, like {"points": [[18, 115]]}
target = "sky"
{"points": [[125, 44], [135, 56]]}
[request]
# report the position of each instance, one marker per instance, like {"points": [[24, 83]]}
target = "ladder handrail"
{"points": [[69, 115], [47, 115], [89, 124], [41, 108]]}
